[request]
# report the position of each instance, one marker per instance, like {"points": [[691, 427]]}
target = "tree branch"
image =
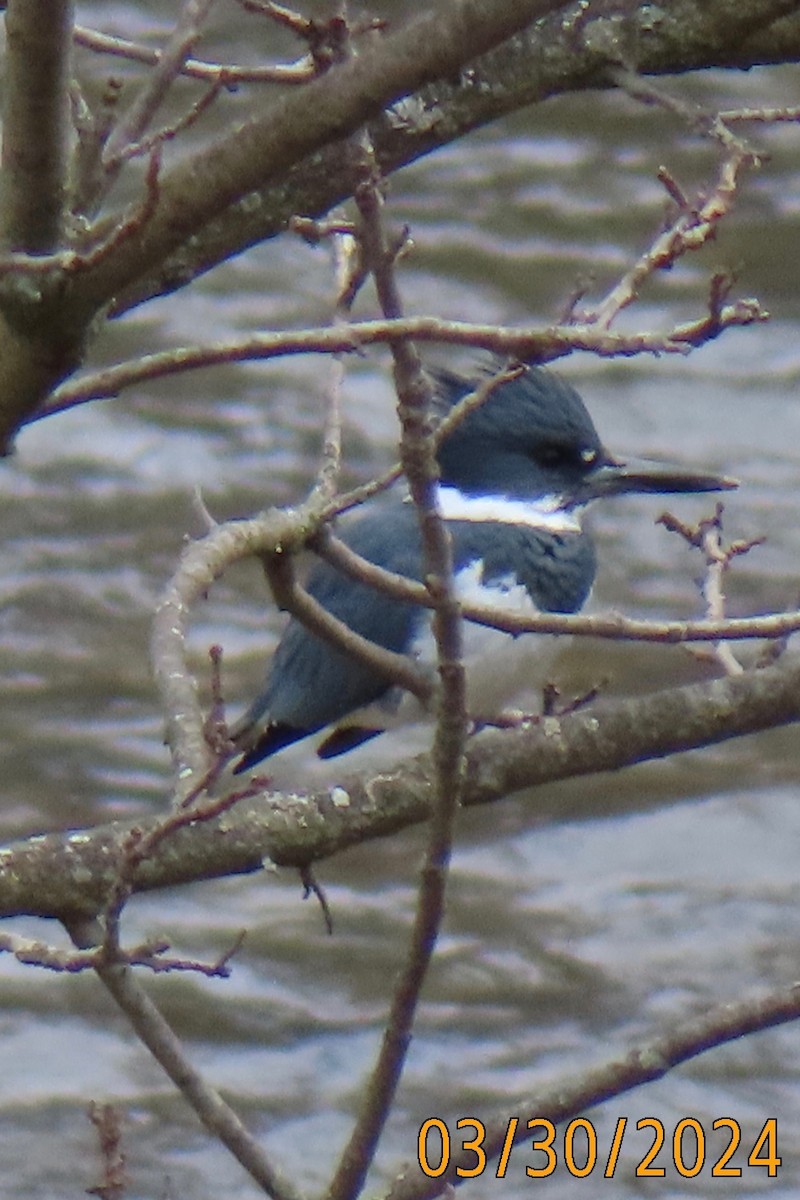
{"points": [[646, 1062], [217, 1116], [301, 122], [228, 182], [37, 348], [553, 56], [35, 124], [541, 346], [202, 561], [418, 459], [292, 598], [62, 874], [210, 72], [612, 627], [170, 61]]}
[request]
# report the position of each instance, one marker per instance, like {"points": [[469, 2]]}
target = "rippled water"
{"points": [[566, 939]]}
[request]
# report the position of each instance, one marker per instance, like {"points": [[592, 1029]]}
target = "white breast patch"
{"points": [[502, 670]]}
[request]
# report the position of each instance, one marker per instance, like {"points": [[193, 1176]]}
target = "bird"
{"points": [[515, 476]]}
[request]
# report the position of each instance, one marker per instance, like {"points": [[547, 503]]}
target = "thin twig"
{"points": [[152, 955], [613, 626], [219, 1118], [706, 536], [312, 888], [128, 225], [417, 451], [92, 128], [133, 124], [328, 39], [140, 845], [107, 1120], [215, 728], [761, 115], [103, 43], [345, 256], [693, 226], [288, 18], [169, 132], [717, 562], [524, 344]]}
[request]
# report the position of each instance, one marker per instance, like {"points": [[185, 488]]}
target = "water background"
{"points": [[565, 942]]}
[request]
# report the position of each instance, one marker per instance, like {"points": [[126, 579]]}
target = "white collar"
{"points": [[543, 513]]}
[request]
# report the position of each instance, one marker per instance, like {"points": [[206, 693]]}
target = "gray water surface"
{"points": [[566, 940]]}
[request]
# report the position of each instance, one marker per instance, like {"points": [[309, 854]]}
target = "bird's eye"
{"points": [[555, 454], [552, 455]]}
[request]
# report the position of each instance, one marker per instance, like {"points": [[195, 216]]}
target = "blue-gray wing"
{"points": [[311, 684]]}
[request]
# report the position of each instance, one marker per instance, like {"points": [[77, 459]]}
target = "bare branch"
{"points": [[69, 875], [418, 458], [706, 536], [525, 344], [107, 1120], [201, 563], [312, 888], [692, 227], [35, 124], [169, 132], [128, 225], [346, 259], [764, 116], [133, 124], [218, 1117], [612, 626], [205, 184], [645, 1063], [113, 969], [103, 43], [281, 15], [290, 597], [152, 955], [550, 57]]}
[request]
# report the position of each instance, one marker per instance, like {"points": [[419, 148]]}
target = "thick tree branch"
{"points": [[35, 116], [558, 54], [300, 123], [55, 311], [227, 184], [62, 874], [34, 352]]}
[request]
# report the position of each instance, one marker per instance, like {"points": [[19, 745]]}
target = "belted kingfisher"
{"points": [[515, 475]]}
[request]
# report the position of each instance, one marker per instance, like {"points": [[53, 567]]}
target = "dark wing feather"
{"points": [[311, 684]]}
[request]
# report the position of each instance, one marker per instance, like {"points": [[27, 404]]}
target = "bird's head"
{"points": [[533, 441]]}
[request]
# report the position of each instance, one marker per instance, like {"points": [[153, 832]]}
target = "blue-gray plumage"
{"points": [[515, 475]]}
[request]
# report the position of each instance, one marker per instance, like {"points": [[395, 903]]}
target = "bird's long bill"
{"points": [[615, 478]]}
